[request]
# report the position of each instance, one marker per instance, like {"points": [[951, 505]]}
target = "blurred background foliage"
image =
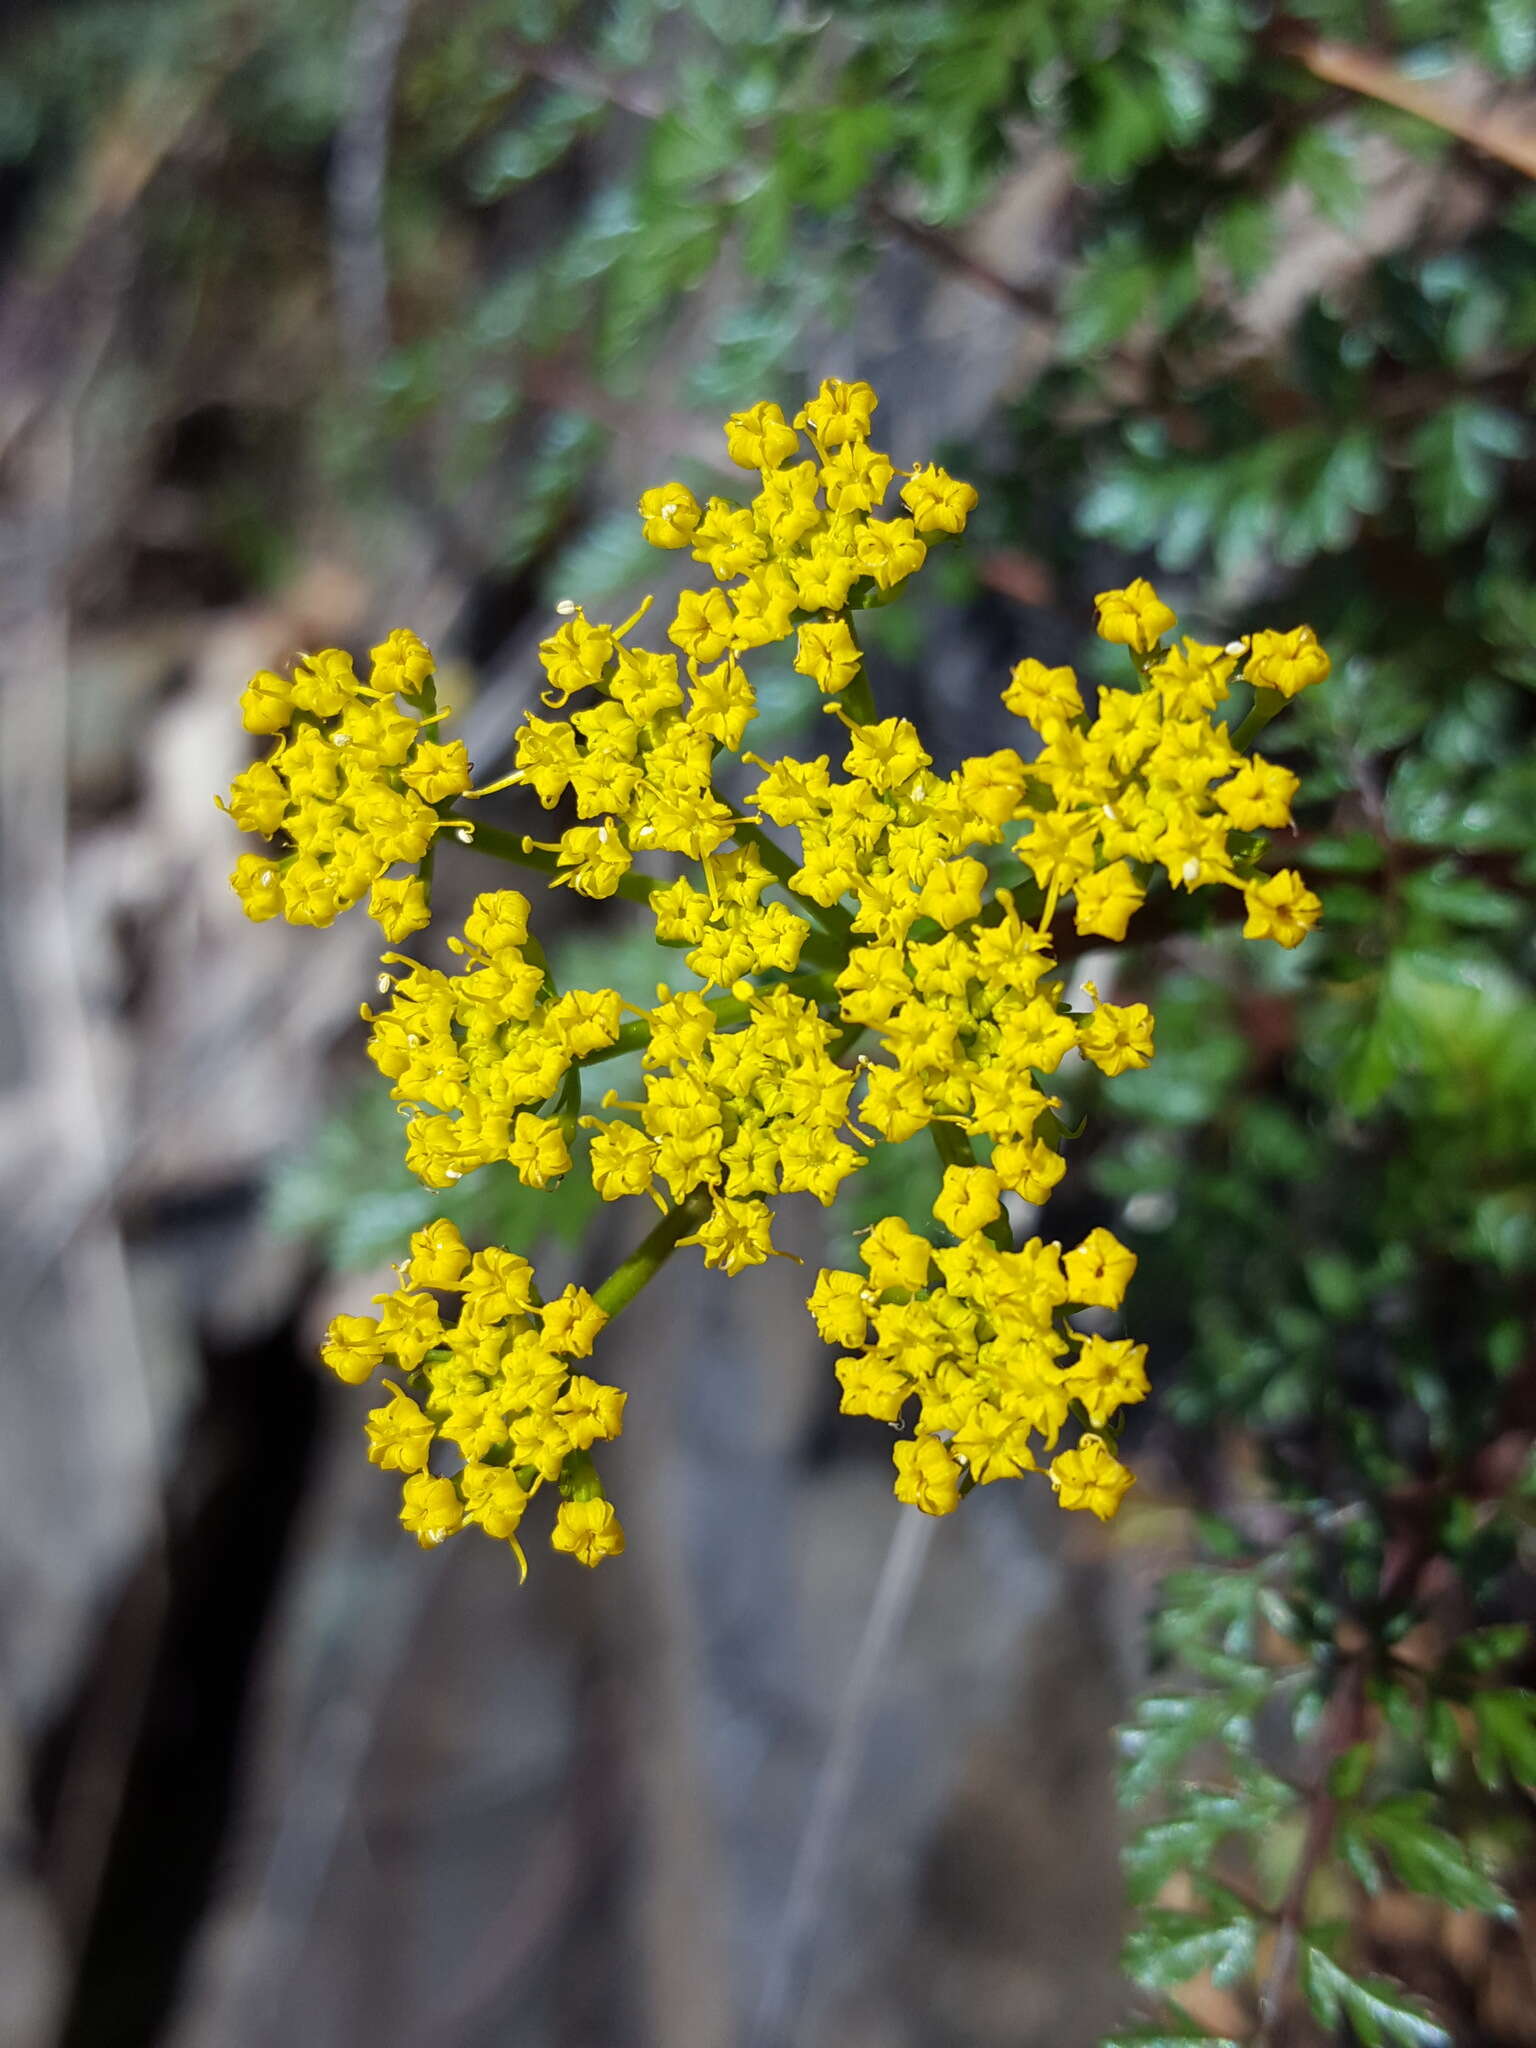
{"points": [[453, 278]]}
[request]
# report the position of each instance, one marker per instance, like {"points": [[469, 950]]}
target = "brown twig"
{"points": [[1501, 135], [949, 255], [1343, 1727]]}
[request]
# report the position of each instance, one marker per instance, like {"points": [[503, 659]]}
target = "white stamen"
{"points": [[465, 835], [383, 984], [1191, 870], [1234, 647], [602, 835], [566, 606]]}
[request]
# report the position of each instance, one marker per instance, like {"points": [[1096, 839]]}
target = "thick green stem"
{"points": [[1267, 704], [955, 1149], [834, 922], [652, 1253], [859, 699], [509, 846]]}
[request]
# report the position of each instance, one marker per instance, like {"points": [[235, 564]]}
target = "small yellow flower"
{"points": [[493, 1499], [439, 1256], [970, 1199], [439, 769], [1108, 1374], [838, 1307], [266, 702], [702, 627], [939, 503], [1045, 696], [257, 881], [538, 1150], [760, 438], [1106, 900], [572, 1322], [927, 1476], [840, 413], [353, 1348], [401, 664], [1091, 1477], [1117, 1038], [399, 1435], [1099, 1270], [670, 514], [1283, 909], [588, 1530], [400, 908], [1258, 795], [895, 1256], [430, 1509], [1287, 662], [1135, 617], [828, 654]]}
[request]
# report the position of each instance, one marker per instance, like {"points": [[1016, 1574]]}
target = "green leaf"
{"points": [[1166, 1948], [1428, 1859], [1506, 1736], [1187, 1839], [1443, 892], [1350, 1771], [1380, 2012], [1322, 161], [1485, 1649], [1244, 237], [1457, 455], [1167, 1727], [1351, 1847], [1110, 291], [1177, 2033]]}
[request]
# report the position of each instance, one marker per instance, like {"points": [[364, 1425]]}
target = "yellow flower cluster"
{"points": [[979, 1349], [351, 788], [891, 969], [475, 1054], [734, 1114], [1151, 779], [498, 1384]]}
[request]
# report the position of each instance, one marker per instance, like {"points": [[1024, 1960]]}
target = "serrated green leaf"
{"points": [[1205, 1816], [1350, 1771], [1168, 1726], [1323, 162], [1427, 1858], [1442, 1741], [1381, 2012], [1485, 1649], [1166, 1948], [1506, 1736], [1350, 1845], [1456, 457], [1220, 1538], [1156, 2034], [1109, 293]]}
